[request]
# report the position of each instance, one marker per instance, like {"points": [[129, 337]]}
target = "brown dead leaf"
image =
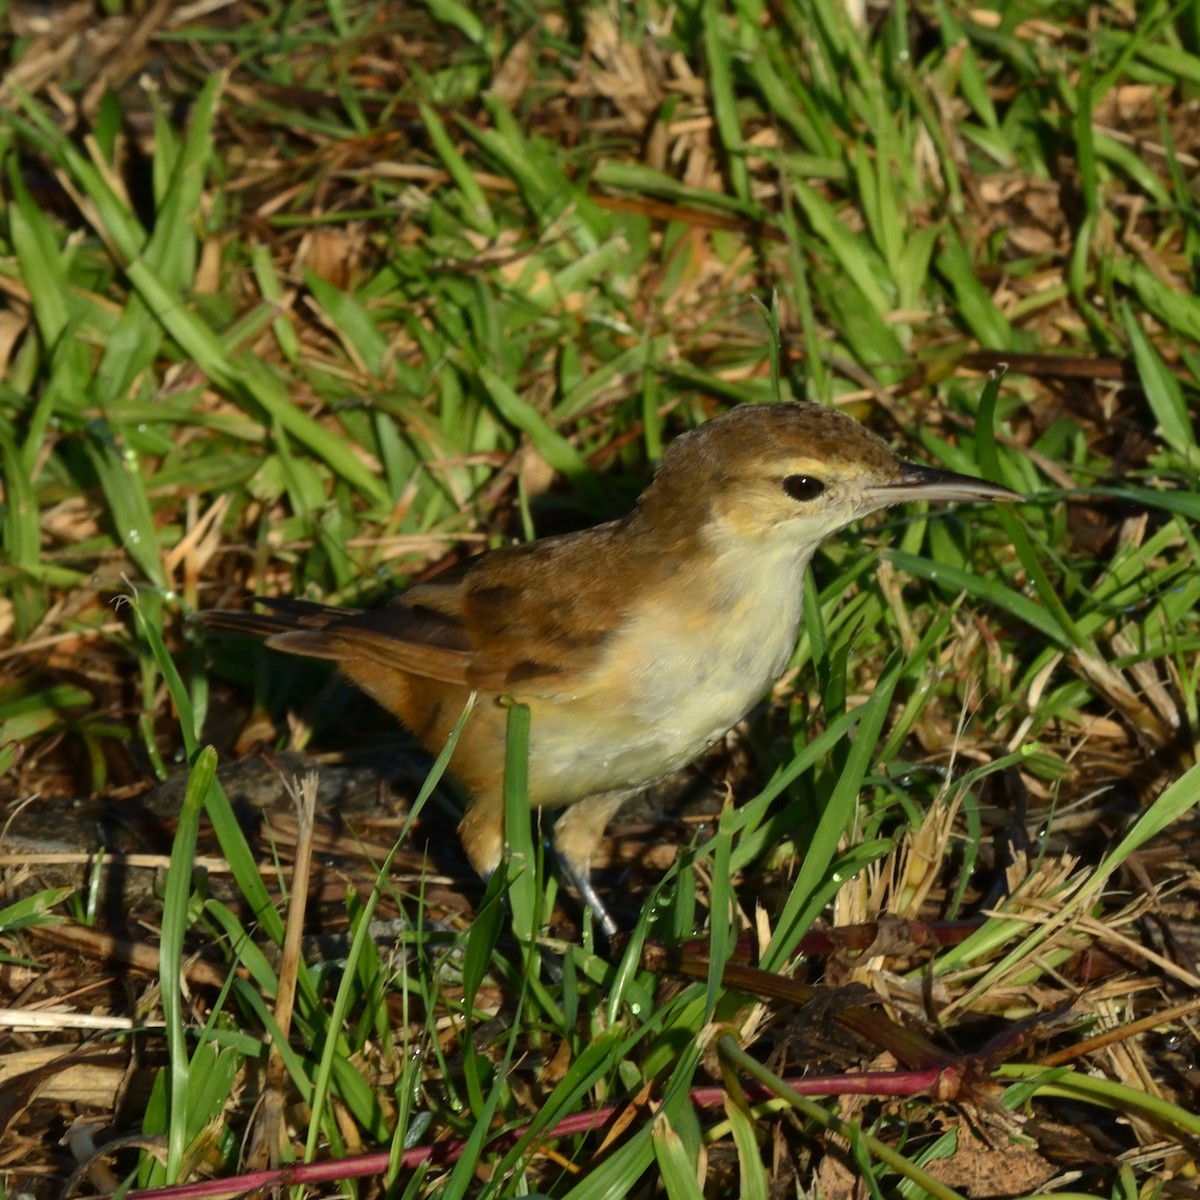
{"points": [[513, 76], [980, 1169], [332, 254]]}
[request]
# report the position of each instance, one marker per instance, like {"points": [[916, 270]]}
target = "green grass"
{"points": [[352, 289]]}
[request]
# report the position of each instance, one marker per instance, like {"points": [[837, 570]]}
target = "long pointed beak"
{"points": [[930, 483]]}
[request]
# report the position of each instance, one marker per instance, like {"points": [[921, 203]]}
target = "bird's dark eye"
{"points": [[803, 487]]}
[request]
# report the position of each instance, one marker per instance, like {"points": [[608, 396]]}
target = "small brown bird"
{"points": [[636, 644]]}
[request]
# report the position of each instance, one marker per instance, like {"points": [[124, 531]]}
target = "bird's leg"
{"points": [[581, 881], [482, 834], [577, 834]]}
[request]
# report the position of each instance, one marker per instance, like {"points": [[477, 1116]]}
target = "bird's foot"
{"points": [[580, 879]]}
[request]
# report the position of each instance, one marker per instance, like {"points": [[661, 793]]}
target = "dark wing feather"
{"points": [[532, 612], [418, 642]]}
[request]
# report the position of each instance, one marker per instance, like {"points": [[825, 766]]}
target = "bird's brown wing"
{"points": [[532, 612], [523, 619]]}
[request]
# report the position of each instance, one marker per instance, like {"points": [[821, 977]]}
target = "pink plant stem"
{"points": [[939, 1080]]}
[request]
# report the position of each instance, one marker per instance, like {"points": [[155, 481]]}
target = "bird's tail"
{"points": [[283, 615], [390, 639]]}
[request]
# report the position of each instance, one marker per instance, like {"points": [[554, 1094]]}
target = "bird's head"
{"points": [[793, 474]]}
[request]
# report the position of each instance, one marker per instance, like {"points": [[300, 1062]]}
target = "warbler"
{"points": [[635, 644]]}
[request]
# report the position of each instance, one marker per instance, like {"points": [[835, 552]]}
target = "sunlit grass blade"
{"points": [[524, 893], [176, 919], [332, 1052], [803, 903]]}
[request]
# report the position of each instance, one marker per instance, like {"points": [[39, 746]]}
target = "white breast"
{"points": [[700, 673], [679, 675]]}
